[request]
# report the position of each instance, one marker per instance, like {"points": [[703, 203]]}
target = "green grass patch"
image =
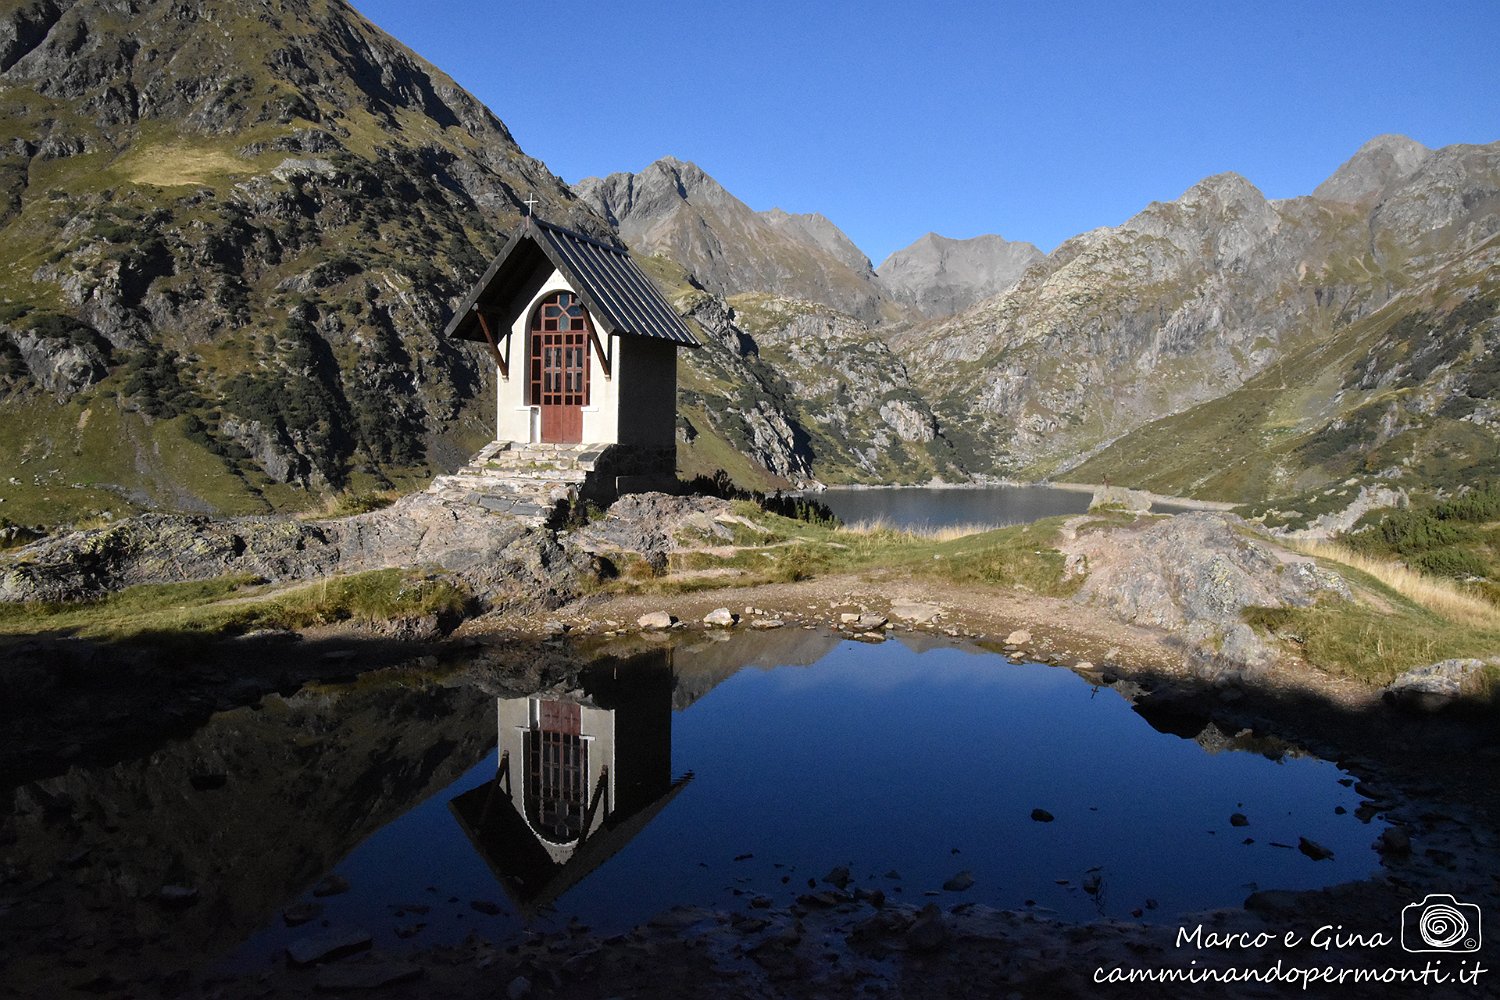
{"points": [[1021, 556], [233, 605]]}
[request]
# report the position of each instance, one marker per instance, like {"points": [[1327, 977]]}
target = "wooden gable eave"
{"points": [[464, 314]]}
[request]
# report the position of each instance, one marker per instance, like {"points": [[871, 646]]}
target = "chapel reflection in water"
{"points": [[580, 773]]}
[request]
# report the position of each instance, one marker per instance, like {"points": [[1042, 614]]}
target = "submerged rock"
{"points": [[961, 882]]}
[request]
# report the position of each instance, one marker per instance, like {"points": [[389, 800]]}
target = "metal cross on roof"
{"points": [[530, 203]]}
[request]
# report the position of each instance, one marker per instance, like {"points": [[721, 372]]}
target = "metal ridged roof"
{"points": [[613, 288]]}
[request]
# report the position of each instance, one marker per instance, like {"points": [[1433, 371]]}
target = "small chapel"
{"points": [[585, 353]]}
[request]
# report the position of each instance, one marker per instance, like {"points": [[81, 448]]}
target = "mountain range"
{"points": [[234, 232]]}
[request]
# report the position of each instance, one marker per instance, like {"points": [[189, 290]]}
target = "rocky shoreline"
{"points": [[1146, 622]]}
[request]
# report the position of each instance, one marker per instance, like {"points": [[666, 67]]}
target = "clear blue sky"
{"points": [[1036, 121]]}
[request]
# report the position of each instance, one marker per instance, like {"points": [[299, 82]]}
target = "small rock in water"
{"points": [[656, 619], [332, 885], [1313, 849], [1019, 637], [929, 931], [300, 913], [1042, 816], [335, 942], [839, 877], [519, 987], [484, 906], [766, 623], [721, 617], [1238, 819], [961, 882], [870, 622]]}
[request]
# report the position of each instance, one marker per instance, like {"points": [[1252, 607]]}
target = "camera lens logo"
{"points": [[1440, 923]]}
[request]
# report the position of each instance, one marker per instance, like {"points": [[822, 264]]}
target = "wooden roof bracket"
{"points": [[489, 338], [606, 361]]}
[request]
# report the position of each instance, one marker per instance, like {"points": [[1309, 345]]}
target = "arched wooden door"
{"points": [[560, 367]]}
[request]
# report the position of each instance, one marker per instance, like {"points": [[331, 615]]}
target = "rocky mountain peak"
{"points": [[1224, 216], [942, 276], [675, 208], [817, 229], [1377, 164]]}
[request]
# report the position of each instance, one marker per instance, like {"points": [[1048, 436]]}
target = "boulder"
{"points": [[1195, 575], [1120, 498], [1436, 686], [656, 619], [1019, 637], [721, 618], [916, 612]]}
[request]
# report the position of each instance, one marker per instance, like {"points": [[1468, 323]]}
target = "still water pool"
{"points": [[718, 772]]}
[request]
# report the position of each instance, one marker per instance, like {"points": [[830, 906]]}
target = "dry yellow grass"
{"points": [[1442, 597], [922, 532], [179, 164]]}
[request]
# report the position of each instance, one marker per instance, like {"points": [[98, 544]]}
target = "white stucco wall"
{"points": [[644, 386]]}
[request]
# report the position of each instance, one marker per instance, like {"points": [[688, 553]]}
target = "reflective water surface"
{"points": [[723, 771], [517, 787], [923, 506]]}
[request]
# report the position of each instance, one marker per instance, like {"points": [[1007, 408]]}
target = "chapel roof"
{"points": [[616, 292]]}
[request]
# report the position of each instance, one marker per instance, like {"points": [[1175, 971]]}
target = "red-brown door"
{"points": [[560, 367]]}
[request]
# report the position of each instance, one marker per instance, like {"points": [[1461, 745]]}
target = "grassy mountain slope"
{"points": [[232, 232], [1407, 396], [1190, 301]]}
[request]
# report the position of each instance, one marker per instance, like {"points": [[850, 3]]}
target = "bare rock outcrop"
{"points": [[504, 561], [1194, 575]]}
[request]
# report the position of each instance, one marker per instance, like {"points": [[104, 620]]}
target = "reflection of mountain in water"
{"points": [[579, 775]]}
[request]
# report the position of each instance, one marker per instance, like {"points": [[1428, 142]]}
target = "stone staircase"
{"points": [[521, 480]]}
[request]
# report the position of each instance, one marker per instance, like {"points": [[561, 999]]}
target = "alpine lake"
{"points": [[734, 771], [933, 507]]}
